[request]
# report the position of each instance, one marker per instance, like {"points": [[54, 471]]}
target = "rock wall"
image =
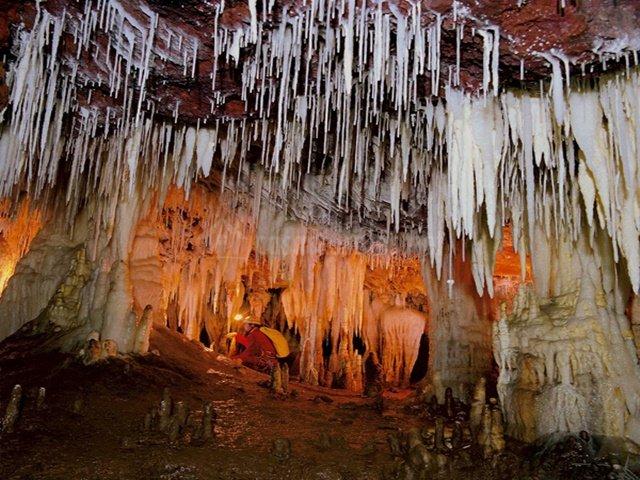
{"points": [[37, 277], [77, 279], [566, 354]]}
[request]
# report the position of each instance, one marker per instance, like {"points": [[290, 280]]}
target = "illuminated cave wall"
{"points": [[18, 227], [194, 263], [565, 351]]}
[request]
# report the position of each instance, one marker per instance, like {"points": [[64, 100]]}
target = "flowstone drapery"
{"points": [[565, 352]]}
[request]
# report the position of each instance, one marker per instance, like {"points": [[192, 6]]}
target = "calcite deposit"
{"points": [[438, 199]]}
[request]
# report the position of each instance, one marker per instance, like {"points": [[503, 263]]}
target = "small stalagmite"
{"points": [[395, 444], [276, 380], [284, 375], [13, 410], [419, 457], [457, 435], [281, 448], [178, 421], [143, 329], [477, 406], [439, 444], [78, 405], [207, 421], [40, 405], [92, 352], [448, 403], [164, 412], [148, 422], [484, 434], [497, 427], [433, 406], [109, 348], [414, 438]]}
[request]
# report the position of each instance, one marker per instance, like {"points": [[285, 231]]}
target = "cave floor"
{"points": [[92, 423]]}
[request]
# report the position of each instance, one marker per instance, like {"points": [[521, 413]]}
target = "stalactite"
{"points": [[522, 156], [444, 174]]}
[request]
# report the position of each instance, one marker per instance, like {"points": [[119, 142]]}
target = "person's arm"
{"points": [[242, 340], [246, 342]]}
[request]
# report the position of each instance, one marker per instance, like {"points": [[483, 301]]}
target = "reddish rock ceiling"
{"points": [[534, 26]]}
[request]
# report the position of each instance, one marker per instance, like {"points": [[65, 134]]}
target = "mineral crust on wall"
{"points": [[565, 352]]}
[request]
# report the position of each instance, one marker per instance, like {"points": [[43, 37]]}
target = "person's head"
{"points": [[247, 326], [248, 322]]}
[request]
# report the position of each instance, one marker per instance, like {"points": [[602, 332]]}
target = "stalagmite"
{"points": [[12, 412], [109, 348], [497, 427], [484, 437], [93, 351], [165, 410], [420, 458], [281, 448], [276, 384], [143, 330], [457, 436], [448, 403], [284, 375], [147, 424], [177, 422], [439, 444], [40, 400], [207, 421], [78, 406], [478, 405]]}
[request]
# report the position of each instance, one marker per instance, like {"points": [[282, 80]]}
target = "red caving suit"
{"points": [[259, 352]]}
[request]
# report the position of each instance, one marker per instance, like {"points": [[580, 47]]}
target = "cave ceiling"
{"points": [[189, 78], [582, 30]]}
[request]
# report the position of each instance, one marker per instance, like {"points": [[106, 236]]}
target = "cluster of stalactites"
{"points": [[207, 248], [472, 164], [516, 157], [216, 262]]}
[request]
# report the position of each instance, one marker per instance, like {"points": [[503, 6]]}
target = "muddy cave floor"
{"points": [[92, 424]]}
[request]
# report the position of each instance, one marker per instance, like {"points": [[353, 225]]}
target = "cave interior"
{"points": [[430, 210]]}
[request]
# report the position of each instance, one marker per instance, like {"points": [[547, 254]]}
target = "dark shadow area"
{"points": [[204, 337], [358, 345], [421, 366]]}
